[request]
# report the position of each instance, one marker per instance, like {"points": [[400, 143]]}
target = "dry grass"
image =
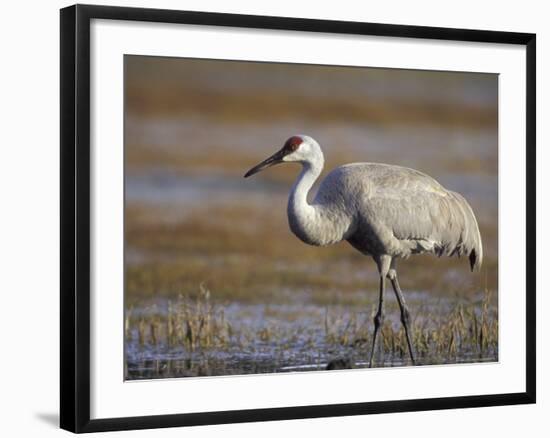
{"points": [[241, 107], [191, 323], [251, 256], [463, 330], [252, 92], [462, 333]]}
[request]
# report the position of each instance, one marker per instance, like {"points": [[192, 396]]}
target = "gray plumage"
{"points": [[400, 211], [384, 211]]}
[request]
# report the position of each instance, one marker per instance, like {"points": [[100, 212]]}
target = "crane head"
{"points": [[298, 148]]}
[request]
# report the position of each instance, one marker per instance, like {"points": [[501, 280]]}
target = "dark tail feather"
{"points": [[470, 235], [473, 259]]}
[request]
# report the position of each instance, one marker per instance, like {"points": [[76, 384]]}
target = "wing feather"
{"points": [[394, 202]]}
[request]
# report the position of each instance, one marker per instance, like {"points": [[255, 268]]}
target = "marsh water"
{"points": [[216, 284], [287, 338]]}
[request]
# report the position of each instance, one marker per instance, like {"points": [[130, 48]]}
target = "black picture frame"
{"points": [[75, 217]]}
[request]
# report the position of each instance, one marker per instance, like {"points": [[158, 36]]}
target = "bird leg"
{"points": [[405, 315], [378, 319], [383, 267]]}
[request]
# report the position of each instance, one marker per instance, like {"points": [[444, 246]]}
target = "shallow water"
{"points": [[296, 340], [162, 187]]}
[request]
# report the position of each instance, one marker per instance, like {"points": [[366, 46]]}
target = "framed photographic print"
{"points": [[271, 218]]}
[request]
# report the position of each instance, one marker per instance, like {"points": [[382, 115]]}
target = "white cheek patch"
{"points": [[290, 157], [297, 155]]}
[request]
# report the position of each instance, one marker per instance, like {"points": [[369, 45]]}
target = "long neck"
{"points": [[300, 190], [303, 217]]}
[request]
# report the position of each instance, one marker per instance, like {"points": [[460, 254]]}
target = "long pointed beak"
{"points": [[276, 158]]}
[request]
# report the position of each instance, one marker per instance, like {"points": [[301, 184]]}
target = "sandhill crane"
{"points": [[384, 211]]}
